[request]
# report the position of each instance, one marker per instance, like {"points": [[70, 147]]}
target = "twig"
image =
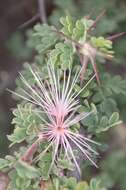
{"points": [[96, 20], [115, 36], [42, 11], [30, 21], [41, 15]]}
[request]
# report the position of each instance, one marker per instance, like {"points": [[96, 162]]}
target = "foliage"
{"points": [[28, 168], [42, 38], [26, 123], [110, 177], [71, 184]]}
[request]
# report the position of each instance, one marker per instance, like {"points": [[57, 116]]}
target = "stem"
{"points": [[31, 151], [42, 11], [96, 20], [115, 36], [30, 21]]}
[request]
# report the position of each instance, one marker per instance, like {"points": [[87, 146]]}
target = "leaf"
{"points": [[44, 165], [104, 121], [95, 184], [70, 183], [108, 106], [68, 25], [82, 186], [18, 136], [25, 170], [3, 163], [79, 29], [76, 30], [26, 117], [65, 164], [42, 38], [101, 42], [110, 81], [62, 55], [114, 118]]}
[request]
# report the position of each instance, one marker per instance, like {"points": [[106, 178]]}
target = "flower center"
{"points": [[59, 130]]}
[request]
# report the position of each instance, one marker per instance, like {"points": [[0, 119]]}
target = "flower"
{"points": [[58, 101]]}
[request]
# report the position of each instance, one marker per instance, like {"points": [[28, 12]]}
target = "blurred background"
{"points": [[16, 18]]}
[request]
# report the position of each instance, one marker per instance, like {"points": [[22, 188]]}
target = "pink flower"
{"points": [[58, 101]]}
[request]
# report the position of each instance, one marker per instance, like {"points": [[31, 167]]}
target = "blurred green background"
{"points": [[14, 51]]}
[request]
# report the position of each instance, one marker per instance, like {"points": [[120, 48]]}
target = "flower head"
{"points": [[59, 103]]}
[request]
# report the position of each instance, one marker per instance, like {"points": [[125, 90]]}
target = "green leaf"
{"points": [[114, 118], [70, 183], [101, 42], [108, 106], [18, 136], [25, 170], [95, 184], [62, 55], [110, 81], [27, 119], [42, 38], [68, 25], [65, 164], [104, 121], [3, 163], [82, 186], [44, 165], [78, 31]]}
